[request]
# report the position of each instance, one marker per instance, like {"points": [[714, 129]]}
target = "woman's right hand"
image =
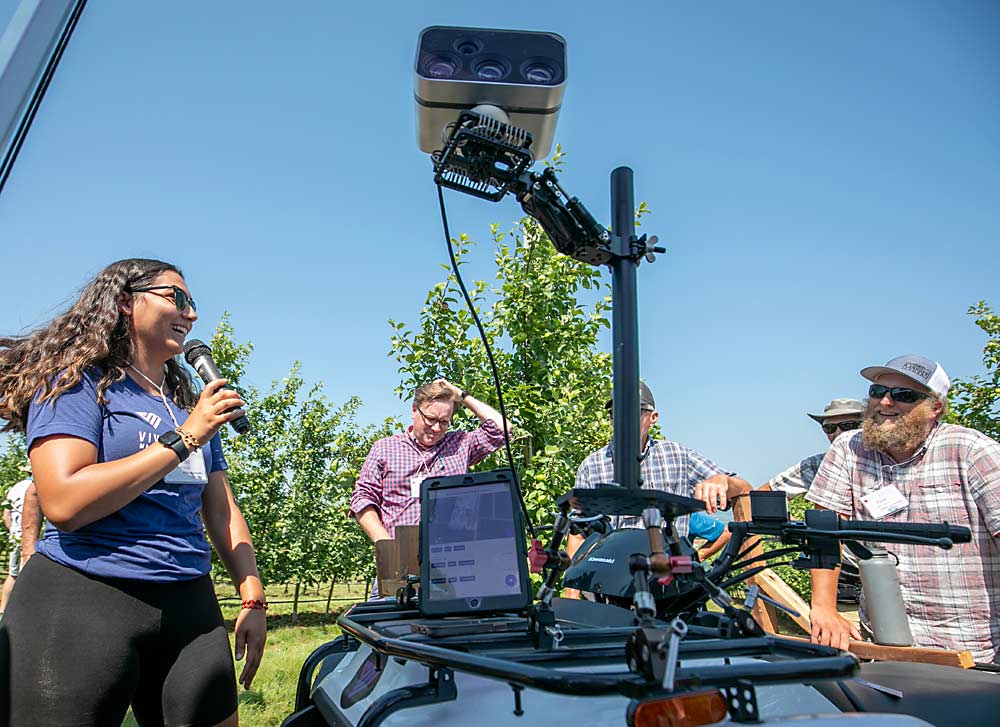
{"points": [[215, 407]]}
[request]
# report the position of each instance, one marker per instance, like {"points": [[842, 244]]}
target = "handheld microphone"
{"points": [[199, 357]]}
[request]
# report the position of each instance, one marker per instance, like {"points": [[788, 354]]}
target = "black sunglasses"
{"points": [[842, 426], [899, 394], [181, 299]]}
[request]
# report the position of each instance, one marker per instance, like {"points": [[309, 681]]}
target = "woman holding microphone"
{"points": [[117, 607]]}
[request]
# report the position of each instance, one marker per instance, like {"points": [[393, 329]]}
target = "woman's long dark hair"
{"points": [[93, 333]]}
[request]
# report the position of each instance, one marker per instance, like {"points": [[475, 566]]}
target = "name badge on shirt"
{"points": [[415, 481], [884, 501], [189, 472]]}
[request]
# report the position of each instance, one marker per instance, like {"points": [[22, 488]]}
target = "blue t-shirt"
{"points": [[705, 526], [158, 536]]}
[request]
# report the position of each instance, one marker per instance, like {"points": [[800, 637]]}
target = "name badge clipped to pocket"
{"points": [[884, 501], [189, 472], [415, 481]]}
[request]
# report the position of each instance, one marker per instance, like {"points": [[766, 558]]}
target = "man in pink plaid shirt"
{"points": [[905, 464], [387, 492]]}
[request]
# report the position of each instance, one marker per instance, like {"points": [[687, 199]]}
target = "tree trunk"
{"points": [[295, 603], [329, 596]]}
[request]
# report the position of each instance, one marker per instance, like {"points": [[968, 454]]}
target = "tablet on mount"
{"points": [[473, 555]]}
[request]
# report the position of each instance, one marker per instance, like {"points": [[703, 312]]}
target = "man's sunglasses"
{"points": [[899, 394], [181, 299], [842, 426]]}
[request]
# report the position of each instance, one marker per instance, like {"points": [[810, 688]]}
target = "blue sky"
{"points": [[825, 176]]}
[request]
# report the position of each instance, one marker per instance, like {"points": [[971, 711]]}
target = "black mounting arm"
{"points": [[569, 224], [489, 158], [551, 560]]}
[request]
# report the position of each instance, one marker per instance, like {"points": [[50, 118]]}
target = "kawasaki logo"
{"points": [[609, 561]]}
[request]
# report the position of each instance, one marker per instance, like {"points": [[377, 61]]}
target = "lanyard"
{"points": [[423, 462], [159, 390]]}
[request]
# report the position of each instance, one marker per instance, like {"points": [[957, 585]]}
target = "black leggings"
{"points": [[77, 650]]}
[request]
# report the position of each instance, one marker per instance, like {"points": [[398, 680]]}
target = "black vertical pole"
{"points": [[624, 330]]}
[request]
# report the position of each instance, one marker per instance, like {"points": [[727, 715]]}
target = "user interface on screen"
{"points": [[472, 541]]}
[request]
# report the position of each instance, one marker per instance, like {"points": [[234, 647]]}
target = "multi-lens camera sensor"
{"points": [[522, 73]]}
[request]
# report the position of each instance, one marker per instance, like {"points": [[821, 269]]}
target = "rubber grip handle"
{"points": [[956, 533]]}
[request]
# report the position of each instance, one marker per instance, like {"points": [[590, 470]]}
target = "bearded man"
{"points": [[906, 465]]}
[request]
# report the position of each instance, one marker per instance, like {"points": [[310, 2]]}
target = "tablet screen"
{"points": [[474, 546]]}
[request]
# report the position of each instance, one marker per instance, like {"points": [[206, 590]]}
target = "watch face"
{"points": [[169, 438], [172, 440]]}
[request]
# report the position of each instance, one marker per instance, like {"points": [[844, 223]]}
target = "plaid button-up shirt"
{"points": [[797, 479], [666, 466], [385, 478], [952, 596]]}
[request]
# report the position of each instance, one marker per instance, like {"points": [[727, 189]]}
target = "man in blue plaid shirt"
{"points": [[666, 466]]}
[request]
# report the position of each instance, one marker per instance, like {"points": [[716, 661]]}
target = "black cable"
{"points": [[748, 574], [767, 555], [489, 355], [741, 577], [36, 98], [758, 541]]}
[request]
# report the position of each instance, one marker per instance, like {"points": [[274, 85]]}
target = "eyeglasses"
{"points": [[181, 299], [842, 426], [432, 422], [899, 394]]}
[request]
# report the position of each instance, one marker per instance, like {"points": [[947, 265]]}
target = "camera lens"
{"points": [[467, 45], [491, 69], [538, 72], [441, 66]]}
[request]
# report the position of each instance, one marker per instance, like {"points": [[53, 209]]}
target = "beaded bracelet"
{"points": [[254, 604], [189, 441]]}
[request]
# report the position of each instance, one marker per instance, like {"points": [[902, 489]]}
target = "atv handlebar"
{"points": [[954, 533]]}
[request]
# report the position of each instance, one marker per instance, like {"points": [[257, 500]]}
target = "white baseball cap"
{"points": [[922, 370]]}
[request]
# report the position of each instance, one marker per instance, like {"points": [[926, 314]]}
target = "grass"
{"points": [[272, 695]]}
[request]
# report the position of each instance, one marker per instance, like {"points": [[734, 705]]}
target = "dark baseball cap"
{"points": [[646, 402]]}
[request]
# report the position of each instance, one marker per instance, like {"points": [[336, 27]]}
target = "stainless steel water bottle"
{"points": [[883, 600]]}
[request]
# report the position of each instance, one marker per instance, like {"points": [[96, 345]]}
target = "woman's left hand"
{"points": [[251, 633]]}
